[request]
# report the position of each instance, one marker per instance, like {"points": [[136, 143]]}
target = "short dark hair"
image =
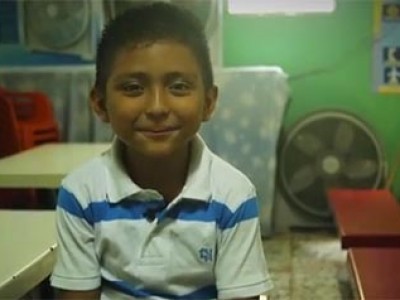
{"points": [[150, 22]]}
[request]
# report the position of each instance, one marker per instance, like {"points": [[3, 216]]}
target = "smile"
{"points": [[158, 132]]}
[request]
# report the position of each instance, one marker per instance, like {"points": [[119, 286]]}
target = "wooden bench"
{"points": [[366, 218], [375, 273], [368, 223]]}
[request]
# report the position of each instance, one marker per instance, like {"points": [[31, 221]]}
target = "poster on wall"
{"points": [[386, 48]]}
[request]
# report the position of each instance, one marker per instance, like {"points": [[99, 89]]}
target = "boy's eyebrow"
{"points": [[137, 75], [177, 74], [169, 76]]}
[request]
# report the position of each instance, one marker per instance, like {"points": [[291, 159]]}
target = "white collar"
{"points": [[120, 186]]}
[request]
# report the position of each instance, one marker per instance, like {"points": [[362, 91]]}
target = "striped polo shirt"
{"points": [[205, 244]]}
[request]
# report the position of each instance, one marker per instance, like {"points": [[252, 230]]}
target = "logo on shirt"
{"points": [[206, 254]]}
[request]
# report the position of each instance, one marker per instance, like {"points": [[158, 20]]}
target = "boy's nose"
{"points": [[157, 102]]}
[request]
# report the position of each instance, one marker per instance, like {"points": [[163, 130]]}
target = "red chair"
{"points": [[34, 116], [27, 120], [9, 138]]}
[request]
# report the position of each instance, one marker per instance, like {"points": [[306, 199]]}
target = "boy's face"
{"points": [[155, 98]]}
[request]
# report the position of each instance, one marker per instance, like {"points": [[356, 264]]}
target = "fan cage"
{"points": [[53, 37], [314, 211]]}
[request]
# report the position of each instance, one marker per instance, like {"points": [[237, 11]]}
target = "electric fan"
{"points": [[324, 150], [68, 27]]}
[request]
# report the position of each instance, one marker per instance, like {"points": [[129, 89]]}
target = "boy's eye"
{"points": [[132, 88], [180, 88]]}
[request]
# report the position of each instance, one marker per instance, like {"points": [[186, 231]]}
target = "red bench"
{"points": [[366, 218], [375, 273], [368, 223]]}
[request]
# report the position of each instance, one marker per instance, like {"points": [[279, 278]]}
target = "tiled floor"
{"points": [[307, 265]]}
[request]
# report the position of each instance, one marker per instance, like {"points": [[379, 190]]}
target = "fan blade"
{"points": [[359, 169], [308, 143], [302, 179], [344, 137]]}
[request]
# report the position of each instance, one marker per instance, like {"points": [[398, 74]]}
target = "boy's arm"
{"points": [[77, 268], [67, 295], [241, 254]]}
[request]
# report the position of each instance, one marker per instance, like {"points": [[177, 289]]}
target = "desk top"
{"points": [[366, 218], [27, 242], [375, 272], [45, 166]]}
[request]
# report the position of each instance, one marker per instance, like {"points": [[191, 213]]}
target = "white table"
{"points": [[27, 250], [44, 166]]}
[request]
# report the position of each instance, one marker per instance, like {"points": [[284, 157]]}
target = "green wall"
{"points": [[328, 58]]}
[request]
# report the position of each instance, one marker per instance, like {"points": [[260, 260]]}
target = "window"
{"points": [[289, 7]]}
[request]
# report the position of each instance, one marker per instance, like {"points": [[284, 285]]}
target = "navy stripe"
{"points": [[187, 210], [103, 210], [208, 292], [68, 202], [215, 211], [246, 211]]}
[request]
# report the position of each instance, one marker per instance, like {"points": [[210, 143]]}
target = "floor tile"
{"points": [[278, 252], [282, 284], [306, 265]]}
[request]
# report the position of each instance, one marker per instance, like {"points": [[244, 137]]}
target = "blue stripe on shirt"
{"points": [[187, 210], [68, 202], [227, 219], [103, 210], [208, 292], [190, 210]]}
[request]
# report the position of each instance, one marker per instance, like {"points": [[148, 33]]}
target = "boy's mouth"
{"points": [[158, 131]]}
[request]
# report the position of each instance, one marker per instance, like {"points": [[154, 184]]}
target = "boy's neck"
{"points": [[167, 175]]}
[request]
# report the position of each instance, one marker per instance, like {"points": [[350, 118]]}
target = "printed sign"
{"points": [[386, 49]]}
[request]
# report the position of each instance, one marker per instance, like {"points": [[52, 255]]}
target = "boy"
{"points": [[158, 216]]}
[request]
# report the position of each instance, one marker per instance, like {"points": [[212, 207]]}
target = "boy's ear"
{"points": [[98, 105], [210, 103]]}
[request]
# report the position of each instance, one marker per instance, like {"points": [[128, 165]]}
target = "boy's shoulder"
{"points": [[229, 183], [220, 179], [224, 172], [219, 170], [90, 172]]}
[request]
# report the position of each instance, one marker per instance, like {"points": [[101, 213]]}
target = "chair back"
{"points": [[27, 120], [9, 133], [35, 118]]}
